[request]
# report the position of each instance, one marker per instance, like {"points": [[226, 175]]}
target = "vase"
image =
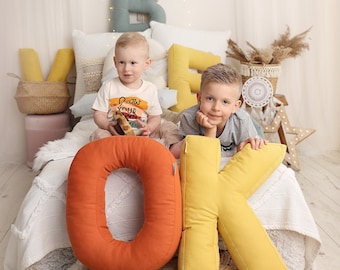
{"points": [[269, 71]]}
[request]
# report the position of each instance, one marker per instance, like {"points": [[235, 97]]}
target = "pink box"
{"points": [[40, 129]]}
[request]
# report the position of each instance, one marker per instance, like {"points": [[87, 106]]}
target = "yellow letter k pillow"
{"points": [[216, 201]]}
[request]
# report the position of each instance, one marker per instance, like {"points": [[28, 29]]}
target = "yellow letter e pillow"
{"points": [[181, 63]]}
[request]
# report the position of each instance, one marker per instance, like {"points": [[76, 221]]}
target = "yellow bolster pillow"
{"points": [[30, 65], [62, 65]]}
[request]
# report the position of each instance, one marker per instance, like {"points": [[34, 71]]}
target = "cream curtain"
{"points": [[45, 26], [308, 82]]}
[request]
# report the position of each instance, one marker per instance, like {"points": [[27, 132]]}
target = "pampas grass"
{"points": [[280, 49]]}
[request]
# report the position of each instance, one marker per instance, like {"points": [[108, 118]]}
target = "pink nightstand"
{"points": [[40, 129]]}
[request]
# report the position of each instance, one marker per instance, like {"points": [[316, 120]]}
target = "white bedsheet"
{"points": [[40, 226]]}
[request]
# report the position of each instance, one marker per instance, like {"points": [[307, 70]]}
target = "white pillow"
{"points": [[109, 69], [83, 106], [215, 42], [167, 97], [87, 46], [156, 73]]}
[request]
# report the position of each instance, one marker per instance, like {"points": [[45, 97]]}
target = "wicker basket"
{"points": [[43, 97], [270, 72]]}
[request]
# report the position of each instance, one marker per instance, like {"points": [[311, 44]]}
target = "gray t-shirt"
{"points": [[238, 128]]}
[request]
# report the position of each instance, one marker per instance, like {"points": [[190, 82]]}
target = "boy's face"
{"points": [[218, 101], [131, 61]]}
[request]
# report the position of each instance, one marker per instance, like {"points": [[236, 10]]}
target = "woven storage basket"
{"points": [[43, 97], [270, 72]]}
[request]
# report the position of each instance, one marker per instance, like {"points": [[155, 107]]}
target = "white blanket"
{"points": [[40, 226]]}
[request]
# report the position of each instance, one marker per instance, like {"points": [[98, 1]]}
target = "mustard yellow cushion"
{"points": [[214, 199], [187, 83], [62, 65], [30, 65]]}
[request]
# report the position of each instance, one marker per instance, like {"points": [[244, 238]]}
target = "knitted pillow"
{"points": [[121, 10]]}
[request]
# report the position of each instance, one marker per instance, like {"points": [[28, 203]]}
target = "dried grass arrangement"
{"points": [[280, 49]]}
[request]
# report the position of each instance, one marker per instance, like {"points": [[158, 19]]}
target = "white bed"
{"points": [[38, 238]]}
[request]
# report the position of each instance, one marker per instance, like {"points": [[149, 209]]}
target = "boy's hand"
{"points": [[111, 127], [203, 120], [255, 143], [143, 128]]}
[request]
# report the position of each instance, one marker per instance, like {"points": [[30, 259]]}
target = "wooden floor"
{"points": [[319, 178]]}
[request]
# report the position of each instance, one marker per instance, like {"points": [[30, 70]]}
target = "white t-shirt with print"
{"points": [[133, 103]]}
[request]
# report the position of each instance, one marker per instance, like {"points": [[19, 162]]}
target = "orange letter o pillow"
{"points": [[157, 241]]}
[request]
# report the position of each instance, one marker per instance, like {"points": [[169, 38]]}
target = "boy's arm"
{"points": [[153, 122], [248, 130], [100, 118]]}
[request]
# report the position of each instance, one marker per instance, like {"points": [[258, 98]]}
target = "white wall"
{"points": [[255, 21]]}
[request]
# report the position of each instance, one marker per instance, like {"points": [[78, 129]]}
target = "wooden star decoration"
{"points": [[281, 125]]}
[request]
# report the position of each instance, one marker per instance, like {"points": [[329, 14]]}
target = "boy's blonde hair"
{"points": [[132, 39], [221, 73]]}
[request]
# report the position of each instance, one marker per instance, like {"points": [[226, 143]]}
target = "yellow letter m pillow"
{"points": [[216, 201]]}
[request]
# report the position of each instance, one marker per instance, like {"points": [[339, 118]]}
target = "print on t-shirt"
{"points": [[132, 108]]}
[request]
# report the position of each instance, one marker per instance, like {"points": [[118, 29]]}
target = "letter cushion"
{"points": [[182, 61], [158, 239], [121, 9], [216, 201]]}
